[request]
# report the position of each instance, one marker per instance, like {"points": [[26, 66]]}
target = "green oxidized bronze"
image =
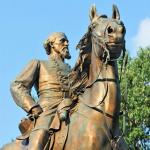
{"points": [[78, 109]]}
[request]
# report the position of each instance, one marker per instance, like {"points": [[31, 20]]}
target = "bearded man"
{"points": [[50, 79]]}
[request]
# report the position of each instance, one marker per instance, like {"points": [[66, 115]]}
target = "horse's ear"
{"points": [[115, 13], [93, 12]]}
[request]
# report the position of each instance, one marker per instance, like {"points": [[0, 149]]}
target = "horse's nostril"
{"points": [[110, 29]]}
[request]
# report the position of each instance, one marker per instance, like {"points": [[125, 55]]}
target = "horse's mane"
{"points": [[80, 72], [85, 49]]}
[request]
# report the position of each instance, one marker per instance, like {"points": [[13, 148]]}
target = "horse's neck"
{"points": [[107, 72], [100, 70], [110, 85], [106, 90], [95, 69]]}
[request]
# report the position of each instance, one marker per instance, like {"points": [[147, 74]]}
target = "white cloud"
{"points": [[142, 38]]}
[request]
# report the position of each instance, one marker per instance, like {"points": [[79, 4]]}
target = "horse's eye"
{"points": [[93, 25], [110, 29]]}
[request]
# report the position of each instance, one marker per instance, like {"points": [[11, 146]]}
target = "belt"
{"points": [[59, 92]]}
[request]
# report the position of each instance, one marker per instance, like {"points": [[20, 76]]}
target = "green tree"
{"points": [[135, 91]]}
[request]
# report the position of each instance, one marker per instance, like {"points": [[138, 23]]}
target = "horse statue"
{"points": [[94, 121]]}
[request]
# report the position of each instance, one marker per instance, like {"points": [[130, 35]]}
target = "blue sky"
{"points": [[25, 24]]}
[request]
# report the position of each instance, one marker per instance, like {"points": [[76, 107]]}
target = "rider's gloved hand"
{"points": [[63, 115], [36, 111]]}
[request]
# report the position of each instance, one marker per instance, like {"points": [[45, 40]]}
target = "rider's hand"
{"points": [[36, 111]]}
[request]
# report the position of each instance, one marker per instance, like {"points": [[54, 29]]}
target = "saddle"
{"points": [[57, 130]]}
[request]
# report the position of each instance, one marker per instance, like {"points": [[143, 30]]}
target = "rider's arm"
{"points": [[21, 86]]}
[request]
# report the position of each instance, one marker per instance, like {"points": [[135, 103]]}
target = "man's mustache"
{"points": [[65, 48]]}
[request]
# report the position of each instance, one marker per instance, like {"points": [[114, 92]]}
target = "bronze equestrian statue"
{"points": [[94, 118]]}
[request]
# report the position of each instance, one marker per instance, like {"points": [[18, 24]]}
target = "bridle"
{"points": [[102, 41]]}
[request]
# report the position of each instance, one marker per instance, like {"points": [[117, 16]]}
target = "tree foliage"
{"points": [[135, 93]]}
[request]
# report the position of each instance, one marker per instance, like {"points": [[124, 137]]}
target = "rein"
{"points": [[114, 140], [102, 44]]}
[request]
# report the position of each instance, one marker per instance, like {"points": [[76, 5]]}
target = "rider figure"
{"points": [[50, 79]]}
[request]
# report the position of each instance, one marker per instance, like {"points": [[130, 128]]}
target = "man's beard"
{"points": [[65, 53]]}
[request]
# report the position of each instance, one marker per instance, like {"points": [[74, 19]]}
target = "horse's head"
{"points": [[107, 33], [104, 38]]}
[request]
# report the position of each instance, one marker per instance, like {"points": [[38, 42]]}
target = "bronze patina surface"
{"points": [[93, 122]]}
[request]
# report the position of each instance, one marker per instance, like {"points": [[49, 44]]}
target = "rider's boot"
{"points": [[38, 139]]}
